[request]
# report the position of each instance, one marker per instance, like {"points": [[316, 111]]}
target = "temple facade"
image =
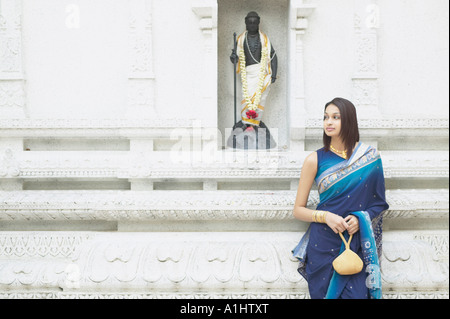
{"points": [[115, 176]]}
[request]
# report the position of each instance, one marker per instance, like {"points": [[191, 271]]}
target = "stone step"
{"points": [[94, 128], [194, 205], [199, 166]]}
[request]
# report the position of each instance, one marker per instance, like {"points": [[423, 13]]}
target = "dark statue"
{"points": [[258, 66]]}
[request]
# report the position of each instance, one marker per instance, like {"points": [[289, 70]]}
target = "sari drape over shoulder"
{"points": [[346, 187]]}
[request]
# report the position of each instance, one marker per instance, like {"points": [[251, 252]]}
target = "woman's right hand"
{"points": [[336, 222]]}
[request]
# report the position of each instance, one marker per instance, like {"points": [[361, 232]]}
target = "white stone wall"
{"points": [[76, 56], [113, 182], [411, 53]]}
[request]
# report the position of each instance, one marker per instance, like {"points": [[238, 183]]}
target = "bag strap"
{"points": [[347, 243]]}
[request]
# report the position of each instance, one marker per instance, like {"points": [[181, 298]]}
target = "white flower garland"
{"points": [[262, 72]]}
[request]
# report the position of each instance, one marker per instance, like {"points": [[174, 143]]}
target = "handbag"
{"points": [[347, 263]]}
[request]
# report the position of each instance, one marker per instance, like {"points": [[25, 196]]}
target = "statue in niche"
{"points": [[257, 64]]}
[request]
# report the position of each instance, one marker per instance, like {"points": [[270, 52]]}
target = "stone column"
{"points": [[141, 79], [12, 80], [298, 23], [206, 11]]}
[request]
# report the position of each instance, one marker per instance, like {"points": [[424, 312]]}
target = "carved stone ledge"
{"points": [[199, 166], [393, 127], [193, 205], [431, 124], [412, 294], [92, 128], [405, 294]]}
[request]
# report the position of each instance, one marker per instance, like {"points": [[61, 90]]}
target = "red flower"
{"points": [[251, 114]]}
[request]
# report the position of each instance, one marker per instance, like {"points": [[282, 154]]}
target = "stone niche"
{"points": [[274, 22]]}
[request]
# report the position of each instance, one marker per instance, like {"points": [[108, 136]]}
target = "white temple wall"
{"points": [[75, 61], [77, 57], [413, 63], [412, 38], [328, 54], [79, 68]]}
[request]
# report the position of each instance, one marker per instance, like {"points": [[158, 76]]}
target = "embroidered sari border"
{"points": [[336, 167], [331, 179]]}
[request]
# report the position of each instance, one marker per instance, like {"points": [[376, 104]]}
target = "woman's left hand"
{"points": [[353, 224]]}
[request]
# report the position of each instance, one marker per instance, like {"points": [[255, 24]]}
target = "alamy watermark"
{"points": [[72, 20]]}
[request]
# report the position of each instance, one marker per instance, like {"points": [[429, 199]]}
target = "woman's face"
{"points": [[332, 121]]}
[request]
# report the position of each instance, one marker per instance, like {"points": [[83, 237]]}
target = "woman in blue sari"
{"points": [[350, 181]]}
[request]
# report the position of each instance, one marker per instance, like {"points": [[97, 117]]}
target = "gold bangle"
{"points": [[319, 216], [324, 215]]}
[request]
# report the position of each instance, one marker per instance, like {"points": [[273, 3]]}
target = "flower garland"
{"points": [[262, 72]]}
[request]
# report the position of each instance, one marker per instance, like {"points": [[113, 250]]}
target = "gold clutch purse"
{"points": [[347, 263]]}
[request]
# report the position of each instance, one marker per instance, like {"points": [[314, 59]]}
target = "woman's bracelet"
{"points": [[318, 216]]}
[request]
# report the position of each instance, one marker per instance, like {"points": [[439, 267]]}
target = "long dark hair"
{"points": [[349, 125]]}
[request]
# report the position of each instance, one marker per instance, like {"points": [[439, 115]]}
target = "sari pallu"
{"points": [[346, 187]]}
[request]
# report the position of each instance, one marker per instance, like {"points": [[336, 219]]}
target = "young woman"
{"points": [[350, 181]]}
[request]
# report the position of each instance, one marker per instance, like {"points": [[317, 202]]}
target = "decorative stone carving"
{"points": [[8, 165], [141, 80], [159, 166], [195, 205], [128, 128], [365, 78], [12, 92], [365, 92], [153, 263], [438, 241], [411, 261], [431, 125]]}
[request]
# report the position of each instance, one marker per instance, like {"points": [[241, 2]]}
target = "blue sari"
{"points": [[346, 187]]}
